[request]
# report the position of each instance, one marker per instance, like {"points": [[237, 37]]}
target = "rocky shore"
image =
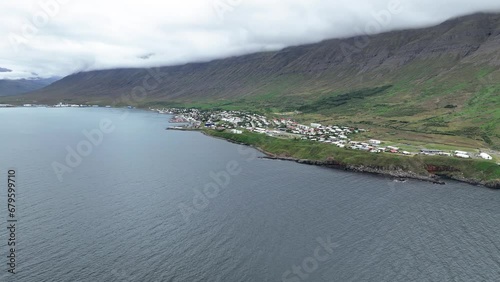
{"points": [[434, 177], [397, 173]]}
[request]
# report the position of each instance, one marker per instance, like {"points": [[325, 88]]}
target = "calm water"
{"points": [[131, 210]]}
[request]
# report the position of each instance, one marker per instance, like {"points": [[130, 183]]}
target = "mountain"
{"points": [[438, 80], [20, 86]]}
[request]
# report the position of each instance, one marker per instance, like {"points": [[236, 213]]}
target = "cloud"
{"points": [[59, 37]]}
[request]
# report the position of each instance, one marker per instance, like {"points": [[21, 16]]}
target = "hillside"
{"points": [[20, 86], [437, 84]]}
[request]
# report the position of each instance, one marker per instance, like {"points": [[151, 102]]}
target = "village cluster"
{"points": [[237, 121], [340, 136]]}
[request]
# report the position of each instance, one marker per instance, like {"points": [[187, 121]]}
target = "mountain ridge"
{"points": [[444, 80], [290, 59], [14, 87]]}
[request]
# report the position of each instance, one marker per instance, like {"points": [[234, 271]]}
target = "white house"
{"points": [[463, 156], [236, 131], [485, 156], [375, 142]]}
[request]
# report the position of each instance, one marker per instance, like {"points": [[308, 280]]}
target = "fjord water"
{"points": [[117, 216]]}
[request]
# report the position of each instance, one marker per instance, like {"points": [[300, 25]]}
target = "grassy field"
{"points": [[458, 111], [480, 170]]}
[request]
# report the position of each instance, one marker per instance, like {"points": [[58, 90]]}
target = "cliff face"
{"points": [[336, 63]]}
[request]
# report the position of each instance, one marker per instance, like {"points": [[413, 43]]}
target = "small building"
{"points": [[375, 142], [485, 156], [236, 131], [430, 152], [463, 156], [260, 130], [315, 125]]}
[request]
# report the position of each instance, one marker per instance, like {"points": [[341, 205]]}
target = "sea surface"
{"points": [[140, 203]]}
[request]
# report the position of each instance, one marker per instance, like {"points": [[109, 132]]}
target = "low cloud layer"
{"points": [[60, 37]]}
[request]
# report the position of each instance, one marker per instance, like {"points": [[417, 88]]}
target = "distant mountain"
{"points": [[442, 79], [20, 86]]}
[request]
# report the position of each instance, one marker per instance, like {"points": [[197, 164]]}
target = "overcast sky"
{"points": [[67, 36]]}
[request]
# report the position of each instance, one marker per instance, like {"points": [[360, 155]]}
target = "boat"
{"points": [[401, 180]]}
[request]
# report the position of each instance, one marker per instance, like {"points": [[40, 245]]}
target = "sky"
{"points": [[45, 38]]}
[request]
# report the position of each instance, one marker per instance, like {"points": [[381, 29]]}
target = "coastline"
{"points": [[396, 173]]}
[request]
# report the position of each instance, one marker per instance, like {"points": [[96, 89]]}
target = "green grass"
{"points": [[335, 101], [423, 98], [479, 170], [472, 169]]}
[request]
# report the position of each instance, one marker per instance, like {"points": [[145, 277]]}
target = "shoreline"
{"points": [[435, 178], [396, 174]]}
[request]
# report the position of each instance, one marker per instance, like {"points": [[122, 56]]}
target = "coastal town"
{"points": [[342, 136], [236, 122]]}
